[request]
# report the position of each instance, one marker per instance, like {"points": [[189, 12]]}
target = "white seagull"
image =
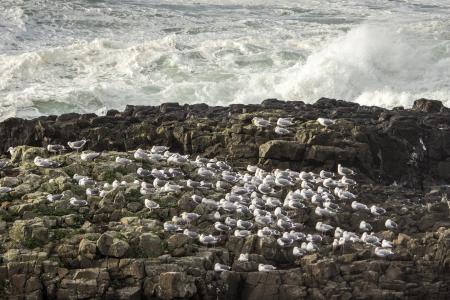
{"points": [[326, 122]]}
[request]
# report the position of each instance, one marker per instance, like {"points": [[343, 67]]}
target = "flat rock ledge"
{"points": [[116, 248], [408, 146]]}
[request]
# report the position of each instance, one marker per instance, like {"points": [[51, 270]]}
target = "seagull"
{"points": [[207, 239], [150, 204], [5, 189], [203, 172], [390, 224], [196, 198], [306, 185], [383, 252], [386, 244], [170, 227], [11, 150], [278, 212], [284, 224], [377, 211], [370, 239], [297, 236], [54, 197], [281, 130], [326, 122], [210, 203], [123, 161], [324, 212], [86, 181], [172, 188], [243, 257], [260, 122], [281, 181], [229, 177], [266, 268], [230, 222], [190, 233], [264, 232], [77, 145], [143, 172], [206, 185], [219, 226], [346, 195], [322, 227], [159, 149], [192, 184], [56, 148], [242, 224], [329, 183], [326, 174], [285, 122], [309, 247], [175, 173], [345, 171], [298, 252], [307, 194], [314, 238], [296, 204], [77, 202], [264, 188], [272, 202], [364, 226], [92, 192], [359, 206], [331, 206], [159, 174], [178, 159], [227, 206], [45, 162], [338, 232], [285, 242], [306, 176], [221, 268], [117, 184], [189, 217], [89, 155], [140, 154], [347, 181], [242, 233], [252, 168]]}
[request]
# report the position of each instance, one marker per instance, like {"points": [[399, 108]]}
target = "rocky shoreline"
{"points": [[116, 248]]}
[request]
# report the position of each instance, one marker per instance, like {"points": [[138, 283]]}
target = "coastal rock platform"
{"points": [[117, 248]]}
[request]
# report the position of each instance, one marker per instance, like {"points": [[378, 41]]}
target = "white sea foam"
{"points": [[88, 57], [372, 65]]}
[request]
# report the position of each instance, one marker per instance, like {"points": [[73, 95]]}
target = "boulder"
{"points": [[109, 245], [282, 150], [173, 285], [87, 249], [150, 245], [429, 106]]}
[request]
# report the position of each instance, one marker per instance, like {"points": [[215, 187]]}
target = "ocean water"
{"points": [[61, 56]]}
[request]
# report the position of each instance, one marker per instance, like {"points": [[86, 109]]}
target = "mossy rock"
{"points": [[133, 194], [76, 168], [150, 245], [30, 153]]}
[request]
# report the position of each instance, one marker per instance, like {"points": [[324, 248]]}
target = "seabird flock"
{"points": [[241, 203]]}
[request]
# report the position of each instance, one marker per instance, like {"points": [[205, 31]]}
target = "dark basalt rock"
{"points": [[408, 146], [429, 106]]}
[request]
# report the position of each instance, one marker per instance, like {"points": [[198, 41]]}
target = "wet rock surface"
{"points": [[115, 247]]}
